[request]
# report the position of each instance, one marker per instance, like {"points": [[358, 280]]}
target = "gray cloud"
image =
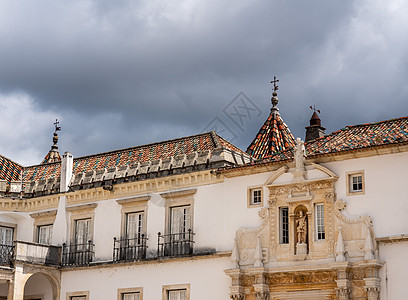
{"points": [[125, 73]]}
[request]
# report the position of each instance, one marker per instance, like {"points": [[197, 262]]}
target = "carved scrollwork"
{"points": [[340, 205], [372, 293], [330, 197]]}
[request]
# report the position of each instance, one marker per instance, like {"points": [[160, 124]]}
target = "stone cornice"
{"points": [[136, 188], [393, 239], [133, 200], [255, 168], [177, 194]]}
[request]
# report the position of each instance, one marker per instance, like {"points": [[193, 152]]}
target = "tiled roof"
{"points": [[361, 136], [52, 156], [274, 136], [9, 170], [160, 150], [353, 138]]}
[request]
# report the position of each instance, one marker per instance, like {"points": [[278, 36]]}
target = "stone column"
{"points": [[10, 289], [237, 290], [18, 283], [343, 283], [372, 288]]}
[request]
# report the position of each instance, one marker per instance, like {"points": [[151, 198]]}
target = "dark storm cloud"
{"points": [[129, 72]]}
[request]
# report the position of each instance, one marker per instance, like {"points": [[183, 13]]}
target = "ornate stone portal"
{"points": [[306, 248]]}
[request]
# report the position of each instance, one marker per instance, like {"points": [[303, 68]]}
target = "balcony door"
{"points": [[180, 221], [82, 233], [6, 236], [134, 228]]}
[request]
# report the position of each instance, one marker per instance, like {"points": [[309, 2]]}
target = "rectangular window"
{"points": [[45, 234], [319, 213], [256, 196], [134, 227], [180, 221], [82, 233], [177, 294], [6, 235], [284, 225], [78, 298], [131, 296], [356, 183]]}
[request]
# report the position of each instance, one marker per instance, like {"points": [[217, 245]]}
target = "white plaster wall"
{"points": [[395, 271], [385, 198], [205, 276], [219, 211], [24, 224]]}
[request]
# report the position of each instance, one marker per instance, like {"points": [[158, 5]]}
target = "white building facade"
{"points": [[197, 218]]}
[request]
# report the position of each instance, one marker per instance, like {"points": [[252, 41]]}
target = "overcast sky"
{"points": [[124, 73]]}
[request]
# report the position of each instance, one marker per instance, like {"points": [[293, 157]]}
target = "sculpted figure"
{"points": [[301, 228], [299, 155]]}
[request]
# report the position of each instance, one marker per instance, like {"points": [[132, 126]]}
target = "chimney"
{"points": [[66, 171], [315, 130]]}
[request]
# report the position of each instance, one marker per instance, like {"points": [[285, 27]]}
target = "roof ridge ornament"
{"points": [[53, 155], [274, 98]]}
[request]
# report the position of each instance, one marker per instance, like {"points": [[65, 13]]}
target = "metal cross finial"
{"points": [[274, 81], [57, 128], [314, 108]]}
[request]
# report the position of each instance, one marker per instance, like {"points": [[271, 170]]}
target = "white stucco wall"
{"points": [[395, 271], [205, 276], [385, 198]]}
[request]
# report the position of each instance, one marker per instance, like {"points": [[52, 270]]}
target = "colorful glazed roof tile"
{"points": [[274, 136], [160, 150], [361, 136], [9, 170], [354, 137]]}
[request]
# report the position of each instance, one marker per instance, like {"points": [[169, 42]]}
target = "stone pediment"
{"points": [[310, 173]]}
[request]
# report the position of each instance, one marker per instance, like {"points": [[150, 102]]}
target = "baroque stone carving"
{"points": [[238, 296], [340, 205], [262, 295], [343, 293]]}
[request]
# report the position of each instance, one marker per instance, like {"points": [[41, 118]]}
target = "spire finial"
{"points": [[55, 137], [275, 99]]}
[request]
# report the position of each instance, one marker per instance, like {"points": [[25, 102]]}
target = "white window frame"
{"points": [[320, 230], [6, 235], [350, 177], [48, 239], [78, 295], [282, 239]]}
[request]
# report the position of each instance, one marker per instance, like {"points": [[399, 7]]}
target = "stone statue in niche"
{"points": [[301, 228], [301, 233], [299, 155]]}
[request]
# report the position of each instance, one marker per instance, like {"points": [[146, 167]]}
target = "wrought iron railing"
{"points": [[129, 249], [175, 244], [77, 254], [6, 254]]}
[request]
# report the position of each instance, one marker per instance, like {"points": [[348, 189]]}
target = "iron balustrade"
{"points": [[6, 254], [129, 249], [175, 244], [77, 254]]}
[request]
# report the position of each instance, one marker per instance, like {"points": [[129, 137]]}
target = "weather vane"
{"points": [[274, 81], [57, 128], [314, 108]]}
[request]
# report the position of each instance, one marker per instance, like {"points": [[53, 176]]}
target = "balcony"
{"points": [[37, 253], [6, 254], [175, 244], [129, 249], [77, 254]]}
